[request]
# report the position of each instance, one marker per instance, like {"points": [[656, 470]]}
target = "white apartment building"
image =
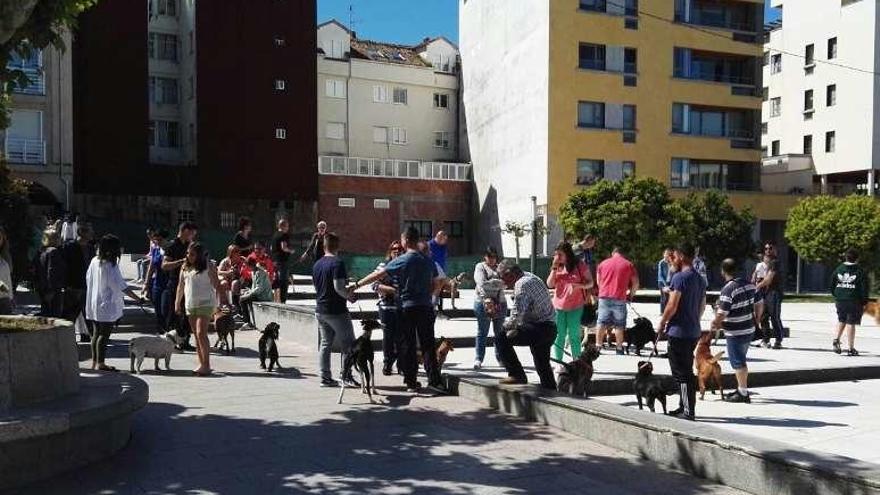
{"points": [[821, 105], [396, 106]]}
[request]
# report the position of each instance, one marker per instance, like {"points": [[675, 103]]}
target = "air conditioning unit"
{"points": [[346, 202], [381, 204]]}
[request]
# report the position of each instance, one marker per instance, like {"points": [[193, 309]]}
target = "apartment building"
{"points": [[390, 139], [560, 94], [38, 144], [189, 110], [821, 114]]}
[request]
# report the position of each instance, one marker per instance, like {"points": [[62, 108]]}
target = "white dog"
{"points": [[155, 347]]}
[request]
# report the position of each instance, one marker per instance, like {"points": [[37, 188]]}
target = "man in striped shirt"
{"points": [[739, 307]]}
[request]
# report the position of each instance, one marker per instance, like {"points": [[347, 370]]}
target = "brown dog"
{"points": [[575, 380], [224, 325], [706, 365], [444, 347], [873, 309]]}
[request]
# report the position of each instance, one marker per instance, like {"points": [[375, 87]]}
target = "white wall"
{"points": [[505, 62], [855, 116]]}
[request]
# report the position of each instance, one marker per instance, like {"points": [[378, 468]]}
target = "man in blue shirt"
{"points": [[418, 283], [681, 321], [334, 322], [439, 249]]}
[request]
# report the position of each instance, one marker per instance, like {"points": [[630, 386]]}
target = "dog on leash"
{"points": [[268, 345], [444, 347], [648, 386], [152, 346], [360, 358], [707, 366], [451, 288], [224, 325], [576, 376], [640, 334]]}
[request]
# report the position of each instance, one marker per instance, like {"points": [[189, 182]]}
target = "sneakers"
{"points": [[413, 387], [836, 346], [386, 369], [620, 352], [513, 380], [777, 345], [852, 352], [478, 364], [766, 344], [736, 396], [329, 383]]}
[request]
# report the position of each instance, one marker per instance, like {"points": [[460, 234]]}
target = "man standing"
{"points": [[281, 252], [850, 287], [618, 283], [334, 322], [175, 256], [316, 246], [772, 287], [663, 277], [418, 283], [739, 310], [681, 321], [532, 322], [77, 255], [439, 249]]}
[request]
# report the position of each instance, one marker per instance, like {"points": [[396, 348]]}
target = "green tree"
{"points": [[821, 228], [708, 220], [15, 218], [630, 214]]}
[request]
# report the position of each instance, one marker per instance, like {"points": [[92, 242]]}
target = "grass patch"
{"points": [[17, 325]]}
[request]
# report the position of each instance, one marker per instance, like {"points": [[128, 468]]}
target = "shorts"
{"points": [[612, 312], [200, 311], [737, 348], [849, 312]]}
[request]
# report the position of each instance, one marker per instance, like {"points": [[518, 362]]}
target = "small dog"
{"points": [[640, 334], [575, 380], [153, 346], [707, 366], [360, 358], [451, 288], [444, 347], [649, 387], [268, 346], [873, 309], [224, 325]]}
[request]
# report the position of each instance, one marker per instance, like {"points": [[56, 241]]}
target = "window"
{"points": [[280, 84], [775, 106], [765, 94], [809, 55], [380, 94], [831, 95], [808, 145], [335, 88], [398, 135], [832, 48], [346, 202], [591, 56], [629, 117], [629, 169], [280, 41], [380, 134], [830, 138], [166, 7], [424, 227], [700, 174], [630, 60], [776, 63], [228, 220], [185, 216], [630, 23], [280, 133], [163, 90], [808, 100], [679, 173], [335, 130], [441, 100], [763, 128], [631, 7], [162, 46], [381, 204], [591, 114], [399, 96], [454, 229], [594, 5], [441, 139], [590, 171], [333, 49], [164, 133], [774, 148]]}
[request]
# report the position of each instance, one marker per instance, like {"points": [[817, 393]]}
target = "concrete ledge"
{"points": [[758, 466], [42, 441]]}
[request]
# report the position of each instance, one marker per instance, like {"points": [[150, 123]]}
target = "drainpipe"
{"points": [[533, 259]]}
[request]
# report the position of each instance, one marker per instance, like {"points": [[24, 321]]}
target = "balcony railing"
{"points": [[27, 151], [706, 75], [37, 82], [393, 169]]}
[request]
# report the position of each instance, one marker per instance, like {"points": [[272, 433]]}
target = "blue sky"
{"points": [[403, 21]]}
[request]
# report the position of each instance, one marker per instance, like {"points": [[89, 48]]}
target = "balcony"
{"points": [[393, 168], [731, 15], [715, 122], [25, 151], [36, 84]]}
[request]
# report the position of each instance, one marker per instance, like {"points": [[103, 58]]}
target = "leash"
{"points": [[654, 352]]}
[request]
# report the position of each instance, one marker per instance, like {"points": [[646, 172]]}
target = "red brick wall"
{"points": [[365, 229]]}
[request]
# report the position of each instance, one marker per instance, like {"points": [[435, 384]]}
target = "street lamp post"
{"points": [[533, 259]]}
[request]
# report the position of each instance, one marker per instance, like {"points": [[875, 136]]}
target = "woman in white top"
{"points": [[6, 288], [105, 287], [198, 286], [490, 305]]}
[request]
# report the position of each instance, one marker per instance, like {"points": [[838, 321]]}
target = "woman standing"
{"points": [[389, 309], [490, 306], [570, 278], [52, 275], [6, 288], [104, 297], [198, 285]]}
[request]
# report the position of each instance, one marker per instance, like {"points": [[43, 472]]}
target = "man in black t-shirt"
{"points": [[334, 322], [242, 238], [175, 256], [281, 252], [772, 286]]}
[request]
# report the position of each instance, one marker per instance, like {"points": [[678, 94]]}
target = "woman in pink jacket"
{"points": [[570, 278]]}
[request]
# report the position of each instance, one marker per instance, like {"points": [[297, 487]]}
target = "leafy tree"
{"points": [[821, 228], [27, 25], [15, 218], [708, 220], [630, 214]]}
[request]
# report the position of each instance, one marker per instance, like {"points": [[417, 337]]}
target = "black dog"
{"points": [[649, 386], [640, 334], [575, 380], [268, 346], [360, 358]]}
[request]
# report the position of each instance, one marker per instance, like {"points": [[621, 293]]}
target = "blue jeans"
{"points": [[737, 348], [483, 323], [612, 313], [773, 310], [330, 328]]}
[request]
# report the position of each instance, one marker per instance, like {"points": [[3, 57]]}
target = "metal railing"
{"points": [[705, 75], [392, 168], [36, 84], [28, 151]]}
